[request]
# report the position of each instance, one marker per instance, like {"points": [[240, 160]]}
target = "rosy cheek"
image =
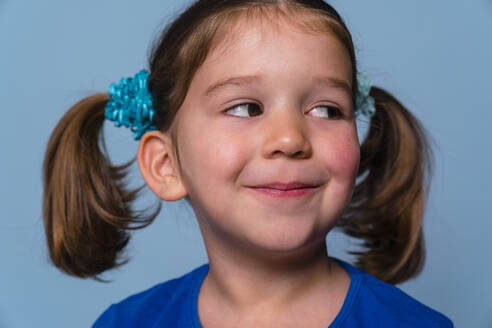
{"points": [[343, 157], [347, 158]]}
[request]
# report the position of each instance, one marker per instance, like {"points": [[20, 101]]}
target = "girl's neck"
{"points": [[245, 284]]}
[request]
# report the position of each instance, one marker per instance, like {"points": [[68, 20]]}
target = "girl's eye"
{"points": [[247, 109], [253, 109], [329, 112]]}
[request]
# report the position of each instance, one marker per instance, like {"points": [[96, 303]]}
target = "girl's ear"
{"points": [[157, 162]]}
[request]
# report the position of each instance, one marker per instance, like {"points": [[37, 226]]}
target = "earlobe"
{"points": [[157, 165]]}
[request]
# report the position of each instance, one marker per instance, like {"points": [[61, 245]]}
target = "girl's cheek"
{"points": [[343, 157], [213, 153]]}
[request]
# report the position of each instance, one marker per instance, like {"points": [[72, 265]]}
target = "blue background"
{"points": [[433, 55]]}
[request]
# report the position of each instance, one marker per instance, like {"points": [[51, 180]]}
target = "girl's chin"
{"points": [[280, 243]]}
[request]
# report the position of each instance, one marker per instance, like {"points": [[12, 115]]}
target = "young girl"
{"points": [[248, 112]]}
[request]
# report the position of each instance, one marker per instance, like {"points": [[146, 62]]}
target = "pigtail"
{"points": [[86, 205], [387, 206]]}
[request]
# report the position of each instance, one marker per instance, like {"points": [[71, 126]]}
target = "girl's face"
{"points": [[285, 115]]}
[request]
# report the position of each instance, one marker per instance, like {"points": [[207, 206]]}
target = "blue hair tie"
{"points": [[364, 103], [130, 104]]}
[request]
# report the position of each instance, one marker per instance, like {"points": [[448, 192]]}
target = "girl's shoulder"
{"points": [[168, 300], [371, 302]]}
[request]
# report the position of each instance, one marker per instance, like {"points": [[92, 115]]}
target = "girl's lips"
{"points": [[296, 192], [285, 186]]}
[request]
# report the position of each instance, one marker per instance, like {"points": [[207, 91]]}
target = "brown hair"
{"points": [[87, 205]]}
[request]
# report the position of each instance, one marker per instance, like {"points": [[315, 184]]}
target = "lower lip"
{"points": [[285, 193]]}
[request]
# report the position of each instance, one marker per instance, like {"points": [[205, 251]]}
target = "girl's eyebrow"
{"points": [[334, 83], [236, 81], [328, 81]]}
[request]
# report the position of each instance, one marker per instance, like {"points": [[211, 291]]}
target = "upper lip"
{"points": [[286, 186]]}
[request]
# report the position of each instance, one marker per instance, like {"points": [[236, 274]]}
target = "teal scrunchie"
{"points": [[130, 103], [364, 103]]}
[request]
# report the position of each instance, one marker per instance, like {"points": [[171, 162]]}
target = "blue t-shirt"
{"points": [[369, 303]]}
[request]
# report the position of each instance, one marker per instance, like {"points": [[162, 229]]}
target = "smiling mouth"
{"points": [[293, 192]]}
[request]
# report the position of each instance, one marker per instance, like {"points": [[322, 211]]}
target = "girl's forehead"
{"points": [[246, 30], [263, 46]]}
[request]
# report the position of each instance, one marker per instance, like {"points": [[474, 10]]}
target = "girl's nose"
{"points": [[286, 135]]}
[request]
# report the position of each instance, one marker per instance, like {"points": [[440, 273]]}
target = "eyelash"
{"points": [[338, 111]]}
